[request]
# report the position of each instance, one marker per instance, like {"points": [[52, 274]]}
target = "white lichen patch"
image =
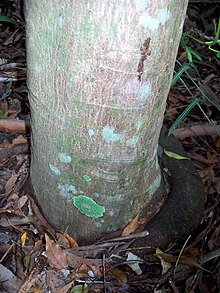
{"points": [[153, 23], [64, 158], [91, 132], [145, 91], [138, 125], [55, 170], [154, 153], [109, 135], [127, 158], [98, 224], [132, 141], [157, 165], [60, 21], [67, 190], [140, 4]]}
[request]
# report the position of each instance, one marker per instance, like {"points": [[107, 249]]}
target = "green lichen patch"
{"points": [[88, 206], [87, 178]]}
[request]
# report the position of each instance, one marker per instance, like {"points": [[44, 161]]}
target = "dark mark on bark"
{"points": [[145, 51]]}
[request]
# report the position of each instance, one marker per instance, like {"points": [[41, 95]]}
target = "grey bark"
{"points": [[99, 74]]}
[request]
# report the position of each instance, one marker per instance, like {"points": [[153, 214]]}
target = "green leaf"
{"points": [[80, 289], [191, 52], [218, 30], [183, 115], [179, 73], [7, 19], [174, 155]]}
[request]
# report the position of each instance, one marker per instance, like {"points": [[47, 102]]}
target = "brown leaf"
{"points": [[131, 227], [13, 151], [207, 172], [216, 184], [72, 242], [86, 271], [22, 201], [75, 261], [120, 276], [13, 221], [57, 257], [66, 241], [65, 288], [40, 217], [212, 157], [9, 282], [169, 258], [19, 140], [10, 184]]}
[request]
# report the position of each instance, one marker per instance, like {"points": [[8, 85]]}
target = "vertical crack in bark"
{"points": [[145, 51]]}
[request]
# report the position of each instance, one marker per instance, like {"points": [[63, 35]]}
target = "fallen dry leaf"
{"points": [[22, 201], [216, 184], [75, 261], [207, 172], [119, 275], [85, 271], [66, 241], [40, 217], [19, 140], [13, 221], [72, 242], [169, 258], [10, 184], [57, 257], [9, 282], [131, 227], [65, 288]]}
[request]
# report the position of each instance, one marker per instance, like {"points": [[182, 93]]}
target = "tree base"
{"points": [[182, 211]]}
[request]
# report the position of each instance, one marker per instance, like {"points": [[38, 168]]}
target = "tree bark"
{"points": [[98, 74]]}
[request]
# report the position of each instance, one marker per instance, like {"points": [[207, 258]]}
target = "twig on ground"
{"points": [[13, 125], [196, 130]]}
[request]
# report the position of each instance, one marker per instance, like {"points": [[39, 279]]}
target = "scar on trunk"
{"points": [[145, 51]]}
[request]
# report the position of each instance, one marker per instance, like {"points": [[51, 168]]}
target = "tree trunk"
{"points": [[98, 74]]}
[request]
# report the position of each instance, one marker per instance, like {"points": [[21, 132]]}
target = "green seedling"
{"points": [[4, 18], [183, 115], [195, 102], [179, 73], [211, 44]]}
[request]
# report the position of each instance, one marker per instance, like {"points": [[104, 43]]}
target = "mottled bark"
{"points": [[98, 73]]}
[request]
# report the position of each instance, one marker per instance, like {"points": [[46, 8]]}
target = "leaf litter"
{"points": [[35, 257]]}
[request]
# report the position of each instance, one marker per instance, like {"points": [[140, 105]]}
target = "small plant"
{"points": [[211, 44], [4, 18], [184, 68]]}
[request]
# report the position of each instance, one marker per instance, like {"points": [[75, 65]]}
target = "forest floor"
{"points": [[35, 257]]}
